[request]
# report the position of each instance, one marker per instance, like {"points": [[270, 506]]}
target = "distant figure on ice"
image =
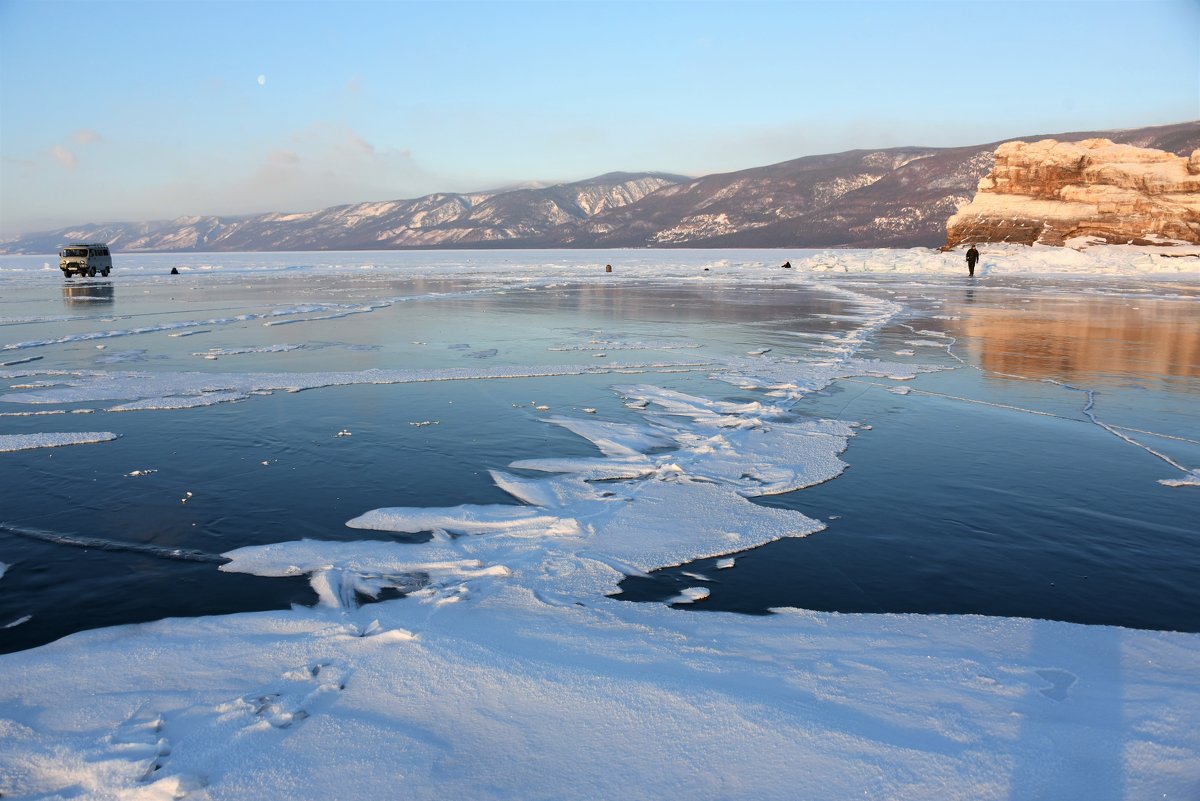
{"points": [[174, 271], [787, 265], [972, 257]]}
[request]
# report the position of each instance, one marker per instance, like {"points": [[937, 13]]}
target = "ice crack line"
{"points": [[100, 544], [1088, 409]]}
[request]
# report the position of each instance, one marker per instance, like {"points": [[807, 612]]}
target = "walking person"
{"points": [[972, 257]]}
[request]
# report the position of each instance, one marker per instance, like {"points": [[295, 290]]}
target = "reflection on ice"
{"points": [[1064, 338], [92, 293]]}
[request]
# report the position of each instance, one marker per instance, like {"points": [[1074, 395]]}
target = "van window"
{"points": [[74, 253]]}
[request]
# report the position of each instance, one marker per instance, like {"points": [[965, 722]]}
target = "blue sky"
{"points": [[151, 110]]}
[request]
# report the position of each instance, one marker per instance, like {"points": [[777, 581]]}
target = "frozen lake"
{"points": [[986, 488], [485, 517]]}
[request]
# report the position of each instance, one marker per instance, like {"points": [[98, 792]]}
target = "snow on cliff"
{"points": [[1050, 192]]}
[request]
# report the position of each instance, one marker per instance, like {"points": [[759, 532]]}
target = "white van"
{"points": [[83, 258]]}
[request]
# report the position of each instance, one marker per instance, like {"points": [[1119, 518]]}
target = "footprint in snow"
{"points": [[178, 748]]}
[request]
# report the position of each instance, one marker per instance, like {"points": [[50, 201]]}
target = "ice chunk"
{"points": [[690, 595], [614, 439], [1190, 479], [513, 521], [341, 571]]}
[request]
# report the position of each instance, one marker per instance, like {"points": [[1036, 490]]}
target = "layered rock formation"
{"points": [[1050, 192]]}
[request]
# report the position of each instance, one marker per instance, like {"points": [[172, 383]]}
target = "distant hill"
{"points": [[897, 197]]}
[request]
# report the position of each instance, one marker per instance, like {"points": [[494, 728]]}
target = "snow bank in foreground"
{"points": [[514, 698]]}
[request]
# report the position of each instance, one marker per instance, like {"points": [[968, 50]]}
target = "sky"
{"points": [[121, 111]]}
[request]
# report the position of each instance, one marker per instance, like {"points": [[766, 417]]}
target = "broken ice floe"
{"points": [[33, 414], [672, 490], [340, 571], [182, 390], [215, 352], [24, 442], [1190, 479], [606, 345], [690, 595]]}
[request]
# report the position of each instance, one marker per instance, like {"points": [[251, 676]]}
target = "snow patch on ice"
{"points": [[1190, 479], [24, 442], [282, 348]]}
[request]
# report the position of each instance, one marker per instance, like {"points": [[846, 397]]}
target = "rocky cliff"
{"points": [[1050, 192]]}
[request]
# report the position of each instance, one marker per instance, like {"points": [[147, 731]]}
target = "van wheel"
{"points": [[104, 272], [91, 272]]}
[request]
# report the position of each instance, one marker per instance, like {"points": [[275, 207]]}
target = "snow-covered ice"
{"points": [[22, 442]]}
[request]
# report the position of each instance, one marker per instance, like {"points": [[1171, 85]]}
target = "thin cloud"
{"points": [[317, 167], [86, 136], [358, 143], [282, 158], [64, 157]]}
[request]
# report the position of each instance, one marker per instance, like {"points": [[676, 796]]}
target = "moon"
{"points": [[262, 80]]}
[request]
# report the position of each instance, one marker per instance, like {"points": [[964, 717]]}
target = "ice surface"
{"points": [[506, 672]]}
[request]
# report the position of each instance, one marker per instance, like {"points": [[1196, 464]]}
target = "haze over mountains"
{"points": [[899, 197]]}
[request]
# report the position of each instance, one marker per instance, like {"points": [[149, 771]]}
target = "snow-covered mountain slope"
{"points": [[899, 197]]}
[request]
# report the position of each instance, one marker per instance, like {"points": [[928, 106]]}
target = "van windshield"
{"points": [[74, 253]]}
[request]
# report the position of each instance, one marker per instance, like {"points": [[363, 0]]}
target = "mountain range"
{"points": [[892, 197]]}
